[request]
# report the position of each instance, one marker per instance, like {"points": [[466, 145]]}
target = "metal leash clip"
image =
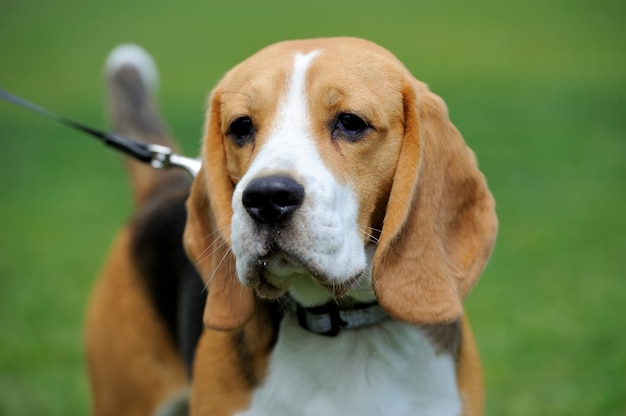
{"points": [[164, 158]]}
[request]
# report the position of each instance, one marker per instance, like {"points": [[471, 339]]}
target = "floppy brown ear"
{"points": [[440, 224], [207, 240]]}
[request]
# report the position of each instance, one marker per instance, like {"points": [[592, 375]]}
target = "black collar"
{"points": [[329, 319]]}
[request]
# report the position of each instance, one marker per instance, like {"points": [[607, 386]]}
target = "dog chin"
{"points": [[266, 290], [272, 276], [306, 290]]}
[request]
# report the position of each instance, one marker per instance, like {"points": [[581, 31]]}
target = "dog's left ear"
{"points": [[440, 224], [207, 240]]}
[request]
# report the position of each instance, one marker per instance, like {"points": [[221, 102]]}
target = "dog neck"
{"points": [[331, 318]]}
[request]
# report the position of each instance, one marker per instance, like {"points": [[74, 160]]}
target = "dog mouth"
{"points": [[275, 272], [338, 290], [267, 290]]}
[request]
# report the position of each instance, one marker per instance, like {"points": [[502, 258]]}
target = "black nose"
{"points": [[272, 199]]}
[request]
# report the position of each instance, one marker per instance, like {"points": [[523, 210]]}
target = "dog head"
{"points": [[330, 172]]}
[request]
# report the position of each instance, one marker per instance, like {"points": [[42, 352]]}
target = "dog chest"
{"points": [[391, 369]]}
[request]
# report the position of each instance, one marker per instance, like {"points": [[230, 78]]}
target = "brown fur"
{"points": [[132, 361], [440, 224], [469, 373], [230, 364]]}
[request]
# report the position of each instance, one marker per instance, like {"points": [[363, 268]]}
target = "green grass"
{"points": [[537, 89]]}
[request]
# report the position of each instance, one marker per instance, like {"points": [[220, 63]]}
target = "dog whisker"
{"points": [[373, 234], [366, 280], [219, 264], [203, 256]]}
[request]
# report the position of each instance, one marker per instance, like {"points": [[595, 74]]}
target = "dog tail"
{"points": [[132, 80]]}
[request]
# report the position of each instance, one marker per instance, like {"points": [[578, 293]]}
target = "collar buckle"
{"points": [[326, 315], [330, 319]]}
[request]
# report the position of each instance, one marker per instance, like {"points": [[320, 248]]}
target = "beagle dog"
{"points": [[337, 223]]}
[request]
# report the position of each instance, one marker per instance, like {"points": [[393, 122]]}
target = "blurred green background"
{"points": [[538, 89]]}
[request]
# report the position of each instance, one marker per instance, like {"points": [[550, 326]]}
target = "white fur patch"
{"points": [[131, 54], [390, 369]]}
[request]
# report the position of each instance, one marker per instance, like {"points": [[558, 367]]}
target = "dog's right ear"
{"points": [[207, 233]]}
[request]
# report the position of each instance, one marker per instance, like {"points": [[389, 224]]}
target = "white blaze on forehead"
{"points": [[295, 104], [290, 138]]}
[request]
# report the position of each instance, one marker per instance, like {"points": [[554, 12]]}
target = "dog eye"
{"points": [[349, 127], [241, 131]]}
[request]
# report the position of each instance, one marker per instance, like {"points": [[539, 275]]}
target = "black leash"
{"points": [[159, 157]]}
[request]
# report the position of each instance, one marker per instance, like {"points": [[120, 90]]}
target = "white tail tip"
{"points": [[131, 54]]}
